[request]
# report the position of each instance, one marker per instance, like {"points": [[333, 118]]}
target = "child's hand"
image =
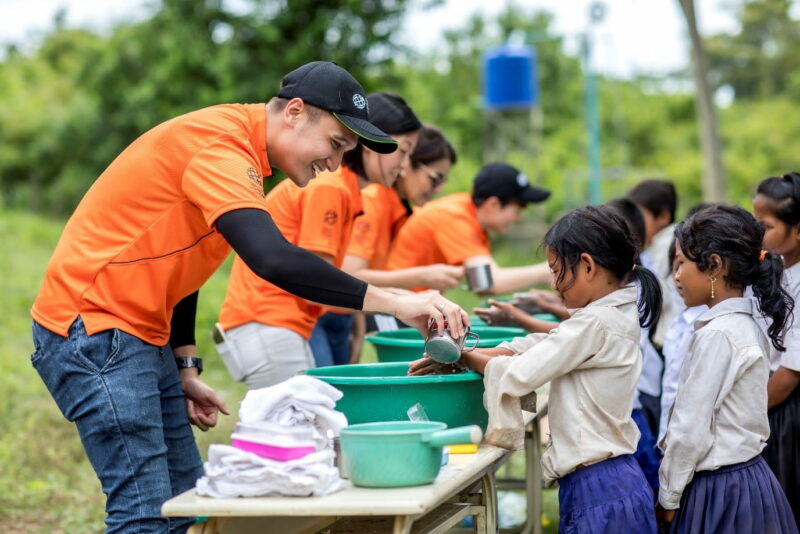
{"points": [[496, 315], [428, 366], [663, 514]]}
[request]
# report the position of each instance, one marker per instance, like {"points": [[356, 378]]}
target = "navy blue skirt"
{"points": [[646, 452], [782, 452], [611, 497], [734, 499]]}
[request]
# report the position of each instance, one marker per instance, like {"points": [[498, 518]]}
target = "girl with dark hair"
{"points": [[592, 361], [777, 208], [713, 477]]}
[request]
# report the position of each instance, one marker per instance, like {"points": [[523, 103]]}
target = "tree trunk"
{"points": [[713, 172]]}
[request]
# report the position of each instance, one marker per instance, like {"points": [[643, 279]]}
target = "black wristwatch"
{"points": [[183, 362]]}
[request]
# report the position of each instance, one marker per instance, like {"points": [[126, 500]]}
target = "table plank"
{"points": [[461, 470]]}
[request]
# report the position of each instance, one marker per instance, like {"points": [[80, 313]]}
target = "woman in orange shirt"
{"points": [[386, 209]]}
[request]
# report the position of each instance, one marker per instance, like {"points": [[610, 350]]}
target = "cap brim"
{"points": [[533, 194], [371, 136]]}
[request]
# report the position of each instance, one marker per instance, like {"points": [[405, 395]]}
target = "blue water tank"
{"points": [[509, 77]]}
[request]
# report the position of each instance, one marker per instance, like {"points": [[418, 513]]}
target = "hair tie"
{"points": [[762, 255], [634, 267]]}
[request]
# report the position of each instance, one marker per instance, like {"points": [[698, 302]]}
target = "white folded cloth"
{"points": [[300, 400], [231, 472]]}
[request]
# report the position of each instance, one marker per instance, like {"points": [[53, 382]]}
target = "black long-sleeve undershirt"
{"points": [[254, 236]]}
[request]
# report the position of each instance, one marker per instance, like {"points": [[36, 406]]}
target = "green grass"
{"points": [[46, 482]]}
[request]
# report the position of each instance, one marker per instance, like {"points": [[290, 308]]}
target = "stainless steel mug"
{"points": [[445, 349], [479, 278]]}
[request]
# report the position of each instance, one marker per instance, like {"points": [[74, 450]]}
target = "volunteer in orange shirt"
{"points": [[455, 229], [267, 328], [336, 339], [119, 294]]}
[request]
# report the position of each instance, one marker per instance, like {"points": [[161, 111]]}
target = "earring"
{"points": [[713, 279]]}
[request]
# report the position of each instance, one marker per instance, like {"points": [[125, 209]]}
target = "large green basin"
{"points": [[375, 392], [406, 344]]}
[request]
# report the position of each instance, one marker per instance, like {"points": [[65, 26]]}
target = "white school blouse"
{"points": [[592, 361], [719, 416]]}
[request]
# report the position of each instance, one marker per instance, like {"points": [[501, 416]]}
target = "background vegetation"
{"points": [[78, 98]]}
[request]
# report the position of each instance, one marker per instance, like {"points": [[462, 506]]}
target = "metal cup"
{"points": [[445, 349], [479, 278]]}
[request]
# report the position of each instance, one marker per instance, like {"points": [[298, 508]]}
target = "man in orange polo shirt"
{"points": [[268, 329], [119, 294], [455, 229]]}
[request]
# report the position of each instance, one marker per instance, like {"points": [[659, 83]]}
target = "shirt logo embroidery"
{"points": [[359, 101], [330, 217], [256, 184]]}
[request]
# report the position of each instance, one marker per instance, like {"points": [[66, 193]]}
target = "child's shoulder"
{"points": [[619, 320]]}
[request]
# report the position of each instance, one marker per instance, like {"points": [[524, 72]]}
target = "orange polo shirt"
{"points": [[319, 218], [376, 229], [143, 236], [445, 230]]}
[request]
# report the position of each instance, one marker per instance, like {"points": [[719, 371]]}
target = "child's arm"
{"points": [[706, 378], [508, 379], [780, 385]]}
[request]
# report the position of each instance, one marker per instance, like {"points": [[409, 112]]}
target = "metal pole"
{"points": [[592, 121]]}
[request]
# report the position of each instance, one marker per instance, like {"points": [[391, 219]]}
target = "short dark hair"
{"points": [[633, 216], [278, 104], [432, 146], [656, 196]]}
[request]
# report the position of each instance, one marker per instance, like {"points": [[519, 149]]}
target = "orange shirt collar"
{"points": [[258, 135]]}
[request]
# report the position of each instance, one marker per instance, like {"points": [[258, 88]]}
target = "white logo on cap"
{"points": [[522, 180], [359, 101]]}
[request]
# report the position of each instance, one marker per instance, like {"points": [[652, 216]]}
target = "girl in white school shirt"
{"points": [[777, 207], [712, 477], [592, 361]]}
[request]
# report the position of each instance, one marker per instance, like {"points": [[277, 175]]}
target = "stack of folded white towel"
{"points": [[300, 403]]}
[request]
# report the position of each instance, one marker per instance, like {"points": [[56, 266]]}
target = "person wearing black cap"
{"points": [[119, 295], [268, 329], [455, 229]]}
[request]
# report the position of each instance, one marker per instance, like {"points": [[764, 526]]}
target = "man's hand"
{"points": [[202, 402], [442, 277], [418, 309]]}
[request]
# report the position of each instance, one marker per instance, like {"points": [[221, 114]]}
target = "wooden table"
{"points": [[466, 486]]}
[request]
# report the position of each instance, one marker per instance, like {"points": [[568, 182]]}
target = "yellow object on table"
{"points": [[465, 448]]}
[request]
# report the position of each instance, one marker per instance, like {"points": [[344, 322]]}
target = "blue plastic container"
{"points": [[510, 77]]}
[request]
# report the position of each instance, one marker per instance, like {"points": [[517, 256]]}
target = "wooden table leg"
{"points": [[402, 524]]}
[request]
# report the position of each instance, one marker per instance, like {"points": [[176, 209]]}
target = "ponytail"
{"points": [[773, 300], [603, 233], [649, 303], [734, 234]]}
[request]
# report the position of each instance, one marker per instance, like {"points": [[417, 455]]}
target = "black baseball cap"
{"points": [[328, 86], [506, 182]]}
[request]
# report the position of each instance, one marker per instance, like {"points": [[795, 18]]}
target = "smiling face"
{"points": [[314, 141], [692, 284], [779, 237], [418, 185], [387, 168]]}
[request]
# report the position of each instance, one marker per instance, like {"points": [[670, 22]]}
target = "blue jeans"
{"points": [[125, 397], [330, 339]]}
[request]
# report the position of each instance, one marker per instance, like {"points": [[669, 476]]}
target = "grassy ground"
{"points": [[46, 483]]}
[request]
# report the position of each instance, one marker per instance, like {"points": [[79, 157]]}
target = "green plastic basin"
{"points": [[383, 392], [406, 344]]}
